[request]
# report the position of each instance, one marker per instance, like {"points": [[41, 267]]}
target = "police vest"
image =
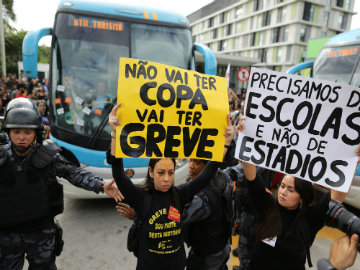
{"points": [[211, 235], [24, 192]]}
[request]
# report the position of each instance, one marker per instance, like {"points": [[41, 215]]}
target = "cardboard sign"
{"points": [[170, 112], [305, 127]]}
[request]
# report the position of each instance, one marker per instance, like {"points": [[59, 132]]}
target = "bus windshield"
{"points": [[85, 61], [336, 63]]}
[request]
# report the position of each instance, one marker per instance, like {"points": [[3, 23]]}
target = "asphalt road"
{"points": [[95, 238]]}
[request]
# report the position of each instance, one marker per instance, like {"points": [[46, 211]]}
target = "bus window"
{"points": [[336, 62], [356, 79], [172, 46], [85, 71]]}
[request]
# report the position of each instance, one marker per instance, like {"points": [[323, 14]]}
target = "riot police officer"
{"points": [[30, 195]]}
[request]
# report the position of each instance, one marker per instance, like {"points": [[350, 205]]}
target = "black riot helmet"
{"points": [[22, 113]]}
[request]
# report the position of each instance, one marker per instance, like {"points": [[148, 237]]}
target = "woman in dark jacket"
{"points": [[161, 234], [288, 222]]}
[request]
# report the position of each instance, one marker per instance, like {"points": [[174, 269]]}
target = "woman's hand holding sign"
{"points": [[249, 169], [114, 122], [229, 134]]}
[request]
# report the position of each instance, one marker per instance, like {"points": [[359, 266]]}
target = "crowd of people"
{"points": [[35, 90], [276, 229]]}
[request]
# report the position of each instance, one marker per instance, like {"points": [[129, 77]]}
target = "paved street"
{"points": [[95, 238]]}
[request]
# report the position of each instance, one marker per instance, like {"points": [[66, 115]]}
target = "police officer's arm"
{"points": [[84, 179], [249, 169]]}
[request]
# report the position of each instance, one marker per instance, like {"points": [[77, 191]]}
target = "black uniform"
{"points": [[207, 226], [29, 200]]}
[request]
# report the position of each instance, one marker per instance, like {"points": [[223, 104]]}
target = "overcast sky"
{"points": [[36, 14]]}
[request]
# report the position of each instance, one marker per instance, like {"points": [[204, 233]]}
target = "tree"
{"points": [[13, 43], [14, 39]]}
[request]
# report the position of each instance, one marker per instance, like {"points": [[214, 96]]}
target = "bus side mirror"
{"points": [[30, 50]]}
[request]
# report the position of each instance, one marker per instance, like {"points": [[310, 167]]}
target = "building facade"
{"points": [[275, 32]]}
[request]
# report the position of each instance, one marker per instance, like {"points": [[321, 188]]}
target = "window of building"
{"points": [[308, 12], [252, 39], [211, 22], [251, 23], [239, 12], [283, 14], [340, 3], [237, 43], [305, 32], [343, 21], [275, 35], [221, 44], [228, 29], [302, 34], [238, 28], [279, 14], [326, 18], [328, 3], [263, 55], [261, 38], [266, 18], [288, 53], [286, 34], [245, 41], [279, 55], [222, 17], [258, 5], [215, 34], [347, 4]]}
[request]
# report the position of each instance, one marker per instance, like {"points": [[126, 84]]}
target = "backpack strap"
{"points": [[308, 257]]}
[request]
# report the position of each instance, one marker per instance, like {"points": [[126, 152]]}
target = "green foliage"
{"points": [[9, 12], [13, 43], [44, 54]]}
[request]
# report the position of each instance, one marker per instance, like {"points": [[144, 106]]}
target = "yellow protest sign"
{"points": [[170, 112]]}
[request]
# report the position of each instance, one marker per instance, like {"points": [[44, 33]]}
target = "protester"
{"points": [[5, 98], [343, 253], [43, 109], [288, 223], [161, 248], [207, 220], [21, 91], [30, 196]]}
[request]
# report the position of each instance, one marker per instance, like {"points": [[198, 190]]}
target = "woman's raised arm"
{"points": [[249, 169]]}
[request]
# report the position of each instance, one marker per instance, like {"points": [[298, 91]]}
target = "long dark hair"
{"points": [[148, 183], [270, 224]]}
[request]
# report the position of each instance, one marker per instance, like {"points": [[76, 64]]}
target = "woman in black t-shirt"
{"points": [[161, 235], [288, 222]]}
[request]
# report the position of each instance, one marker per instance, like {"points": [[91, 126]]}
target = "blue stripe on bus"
{"points": [[121, 9], [97, 158]]}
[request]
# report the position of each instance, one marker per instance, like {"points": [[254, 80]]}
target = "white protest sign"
{"points": [[301, 126]]}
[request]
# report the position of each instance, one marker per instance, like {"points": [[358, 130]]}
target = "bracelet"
{"points": [[227, 146], [112, 136]]}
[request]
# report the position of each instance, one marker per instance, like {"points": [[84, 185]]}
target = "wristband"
{"points": [[227, 146], [113, 136], [324, 264]]}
